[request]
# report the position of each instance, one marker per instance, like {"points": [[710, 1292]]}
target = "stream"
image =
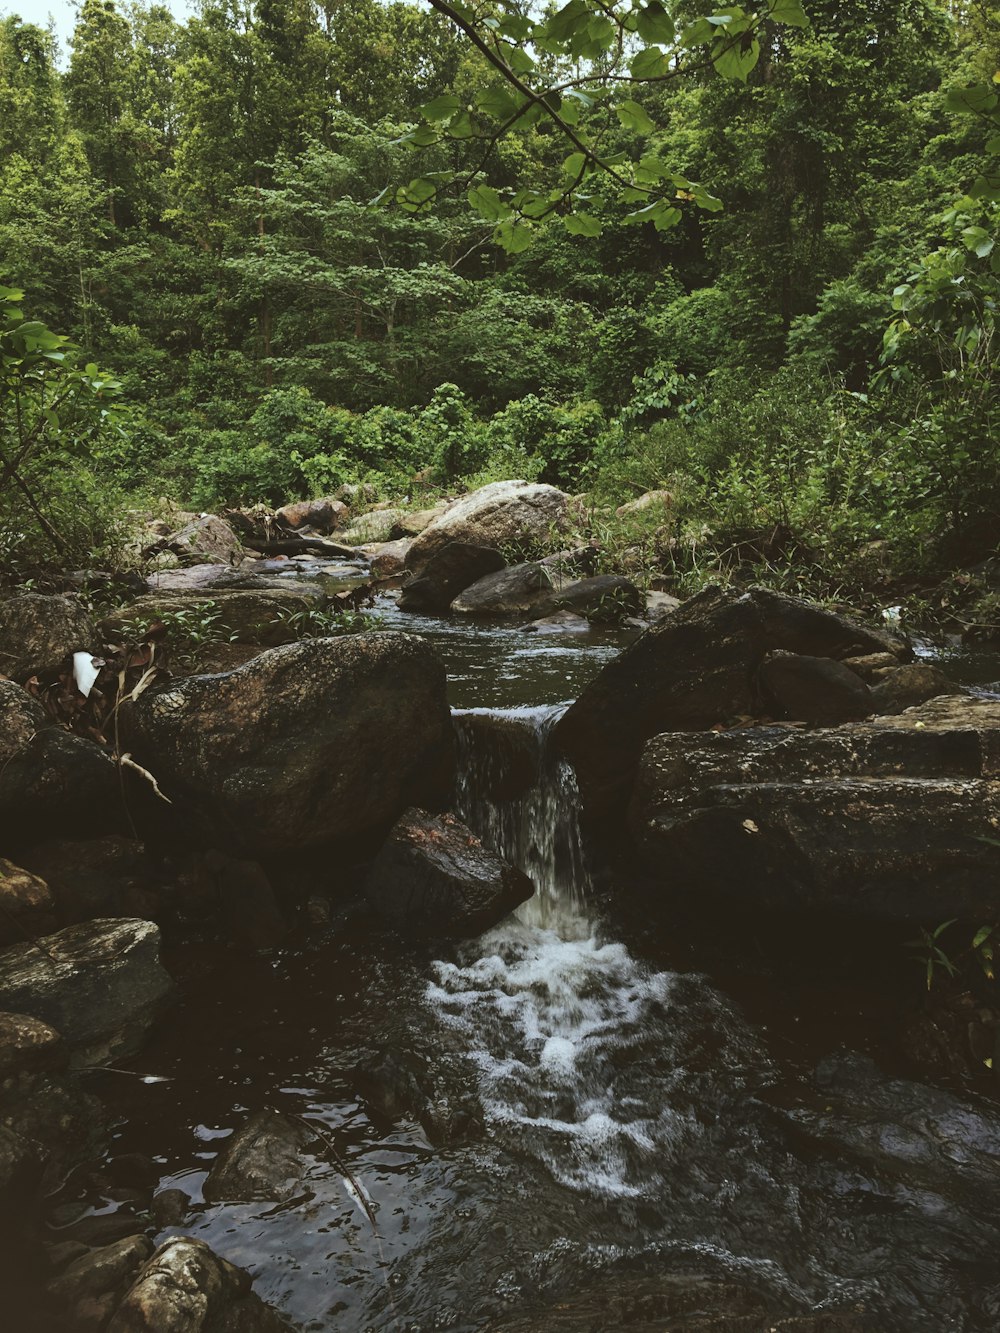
{"points": [[636, 1121]]}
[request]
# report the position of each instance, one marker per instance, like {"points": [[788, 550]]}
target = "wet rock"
{"points": [[906, 686], [169, 1208], [29, 1046], [49, 779], [605, 599], [561, 622], [433, 876], [447, 572], [247, 901], [398, 1083], [88, 1291], [817, 690], [883, 820], [100, 984], [261, 616], [506, 754], [389, 559], [518, 514], [207, 539], [696, 669], [38, 633], [308, 745], [263, 1160], [27, 906], [509, 592], [323, 516], [184, 1288], [380, 525], [89, 877]]}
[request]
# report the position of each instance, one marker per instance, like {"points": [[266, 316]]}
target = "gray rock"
{"points": [[450, 570], [696, 669], [258, 616], [207, 539], [818, 690], [560, 622], [389, 559], [194, 578], [506, 513], [882, 820], [661, 502], [659, 605], [38, 633], [380, 525], [308, 745], [605, 599], [100, 984], [50, 779], [521, 589], [170, 1207], [263, 1160], [433, 876]]}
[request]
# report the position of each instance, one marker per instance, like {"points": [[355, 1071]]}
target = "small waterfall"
{"points": [[523, 802]]}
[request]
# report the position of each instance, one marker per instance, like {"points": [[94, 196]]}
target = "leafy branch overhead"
{"points": [[577, 72]]}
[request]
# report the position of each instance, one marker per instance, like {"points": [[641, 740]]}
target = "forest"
{"points": [[217, 213]]}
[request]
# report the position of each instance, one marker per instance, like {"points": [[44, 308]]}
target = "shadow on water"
{"points": [[636, 1122]]}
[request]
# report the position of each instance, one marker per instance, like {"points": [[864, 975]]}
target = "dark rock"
{"points": [[27, 906], [605, 599], [504, 752], [516, 514], [207, 539], [27, 1045], [906, 686], [308, 745], [89, 878], [696, 669], [883, 820], [868, 665], [258, 616], [38, 633], [247, 901], [818, 690], [509, 592], [78, 1290], [435, 877], [105, 1228], [169, 1208], [100, 984], [263, 1160], [50, 780], [446, 573], [397, 1083]]}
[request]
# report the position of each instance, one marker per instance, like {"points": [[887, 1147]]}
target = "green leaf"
{"points": [[789, 12], [981, 936], [460, 126], [978, 240], [582, 224], [650, 63], [513, 237], [974, 101], [573, 167], [11, 294], [488, 204], [993, 144], [634, 117], [734, 61], [420, 137], [497, 100], [567, 22], [442, 108], [417, 195], [655, 24]]}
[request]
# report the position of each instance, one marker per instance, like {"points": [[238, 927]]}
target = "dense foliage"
{"points": [[229, 214]]}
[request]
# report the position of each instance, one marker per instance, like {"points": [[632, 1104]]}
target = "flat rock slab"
{"points": [[308, 745], [884, 820], [100, 984]]}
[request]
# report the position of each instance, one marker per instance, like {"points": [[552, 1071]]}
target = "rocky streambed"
{"points": [[399, 1001]]}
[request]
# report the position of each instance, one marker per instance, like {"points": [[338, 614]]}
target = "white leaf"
{"points": [[84, 673]]}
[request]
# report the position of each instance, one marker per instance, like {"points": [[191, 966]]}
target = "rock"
{"points": [[38, 634], [27, 906], [911, 684], [184, 1288], [398, 1083], [169, 1208], [247, 901], [29, 1046], [659, 501], [515, 514], [414, 521], [449, 571], [868, 665], [514, 591], [433, 876], [355, 493], [91, 877], [561, 622], [696, 669], [316, 743], [208, 539], [100, 984], [389, 559], [81, 1289], [883, 820], [818, 690], [190, 579], [605, 599], [380, 525], [323, 516], [50, 779], [263, 1160], [659, 605], [257, 616]]}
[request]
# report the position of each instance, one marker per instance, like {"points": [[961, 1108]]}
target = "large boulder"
{"points": [[433, 876], [819, 690], [308, 745], [49, 778], [207, 538], [263, 1160], [38, 633], [379, 525], [517, 591], [696, 669], [889, 820], [448, 572], [504, 514], [265, 616], [99, 983], [322, 516]]}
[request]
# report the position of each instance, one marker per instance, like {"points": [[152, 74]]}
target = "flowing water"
{"points": [[635, 1122]]}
